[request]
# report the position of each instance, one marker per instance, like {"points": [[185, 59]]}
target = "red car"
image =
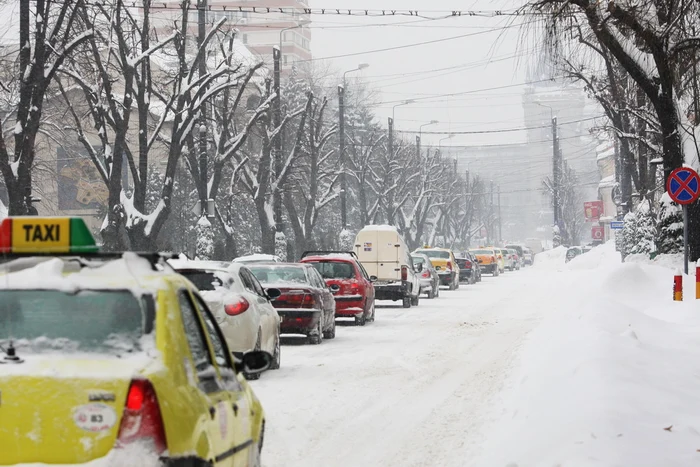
{"points": [[351, 285], [306, 305]]}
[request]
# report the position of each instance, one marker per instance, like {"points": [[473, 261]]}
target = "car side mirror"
{"points": [[334, 288], [254, 362], [272, 293], [418, 267], [373, 278]]}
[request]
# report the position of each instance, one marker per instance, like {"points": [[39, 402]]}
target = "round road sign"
{"points": [[683, 185]]}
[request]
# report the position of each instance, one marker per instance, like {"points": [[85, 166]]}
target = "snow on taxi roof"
{"points": [[379, 227]]}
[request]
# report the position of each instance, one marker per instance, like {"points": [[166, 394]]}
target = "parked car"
{"points": [[384, 254], [487, 259], [500, 259], [257, 258], [519, 249], [348, 281], [305, 304], [444, 261], [429, 278], [468, 268], [528, 257], [476, 267], [516, 258], [573, 252], [240, 305]]}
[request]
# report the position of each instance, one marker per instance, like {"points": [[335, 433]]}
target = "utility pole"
{"points": [[418, 147], [500, 221], [341, 156], [391, 137], [556, 172], [201, 33], [490, 216], [277, 119]]}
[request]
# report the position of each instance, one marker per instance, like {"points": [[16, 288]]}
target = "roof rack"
{"points": [[154, 258], [328, 252]]}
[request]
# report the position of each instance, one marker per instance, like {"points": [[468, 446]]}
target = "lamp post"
{"points": [[300, 24], [341, 142], [556, 167], [420, 134], [450, 136], [391, 125]]}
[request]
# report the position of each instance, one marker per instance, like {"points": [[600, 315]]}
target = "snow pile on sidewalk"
{"points": [[551, 259], [610, 378]]}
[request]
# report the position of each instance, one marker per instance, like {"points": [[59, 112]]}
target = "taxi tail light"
{"points": [[449, 265], [237, 307], [493, 259], [142, 420], [404, 273]]}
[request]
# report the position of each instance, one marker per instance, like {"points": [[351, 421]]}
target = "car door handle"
{"points": [[235, 409], [212, 411]]}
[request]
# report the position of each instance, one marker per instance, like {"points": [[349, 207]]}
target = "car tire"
{"points": [[415, 300], [360, 320], [277, 356], [431, 294], [318, 338], [457, 284], [258, 346], [407, 302], [330, 334]]}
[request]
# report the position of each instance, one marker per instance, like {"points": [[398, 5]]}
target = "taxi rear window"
{"points": [[96, 321]]}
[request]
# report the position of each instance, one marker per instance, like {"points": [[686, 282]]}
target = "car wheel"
{"points": [[457, 284], [258, 346], [277, 356], [360, 320], [437, 291], [330, 334], [431, 294], [415, 300], [407, 302], [318, 338]]}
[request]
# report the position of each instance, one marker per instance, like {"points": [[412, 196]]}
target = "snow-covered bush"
{"points": [[556, 236], [205, 239], [669, 236], [629, 233], [645, 230], [281, 245], [347, 240]]}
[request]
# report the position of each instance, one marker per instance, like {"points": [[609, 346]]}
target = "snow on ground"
{"points": [[563, 364], [410, 389], [609, 378]]}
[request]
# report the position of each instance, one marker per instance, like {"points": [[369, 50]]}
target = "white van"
{"points": [[385, 255]]}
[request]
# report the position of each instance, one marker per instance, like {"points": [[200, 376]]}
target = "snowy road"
{"points": [[411, 389]]}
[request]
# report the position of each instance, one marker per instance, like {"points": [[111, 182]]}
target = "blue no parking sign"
{"points": [[683, 185]]}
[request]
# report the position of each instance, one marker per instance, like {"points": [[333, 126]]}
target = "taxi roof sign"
{"points": [[32, 234]]}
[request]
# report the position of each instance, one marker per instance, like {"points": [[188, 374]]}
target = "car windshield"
{"points": [[334, 269], [482, 252], [203, 280], [436, 254], [49, 321], [279, 274], [418, 260]]}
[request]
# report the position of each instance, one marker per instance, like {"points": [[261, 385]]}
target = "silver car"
{"points": [[429, 278]]}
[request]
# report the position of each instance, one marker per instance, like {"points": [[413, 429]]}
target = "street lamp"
{"points": [[450, 136], [341, 144], [393, 110], [300, 24], [420, 128]]}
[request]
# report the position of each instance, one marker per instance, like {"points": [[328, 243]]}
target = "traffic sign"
{"points": [[597, 232], [683, 185], [617, 225]]}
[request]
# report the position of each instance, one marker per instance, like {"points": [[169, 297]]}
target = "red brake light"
{"points": [[493, 258], [426, 274], [354, 289], [449, 265], [467, 264], [142, 419], [404, 273], [237, 307]]}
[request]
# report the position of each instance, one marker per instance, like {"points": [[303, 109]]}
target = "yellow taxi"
{"points": [[443, 259], [488, 260], [500, 258], [114, 359]]}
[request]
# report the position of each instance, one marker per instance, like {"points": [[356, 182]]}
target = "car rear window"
{"points": [[203, 280], [334, 269], [435, 254], [279, 274], [461, 262], [49, 321]]}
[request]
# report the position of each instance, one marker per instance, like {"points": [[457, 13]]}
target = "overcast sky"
{"points": [[489, 56]]}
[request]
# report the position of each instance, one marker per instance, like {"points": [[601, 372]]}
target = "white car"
{"points": [[239, 303]]}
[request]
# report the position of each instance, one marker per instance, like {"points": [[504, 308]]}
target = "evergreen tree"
{"points": [[556, 236], [669, 237], [645, 229], [629, 234]]}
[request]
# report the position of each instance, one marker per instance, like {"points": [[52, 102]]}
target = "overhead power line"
{"points": [[503, 130]]}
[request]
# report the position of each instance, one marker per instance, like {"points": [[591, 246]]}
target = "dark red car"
{"points": [[351, 285], [306, 305]]}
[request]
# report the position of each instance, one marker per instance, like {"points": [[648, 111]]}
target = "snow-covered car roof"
{"points": [[379, 227], [130, 272], [330, 257], [257, 257]]}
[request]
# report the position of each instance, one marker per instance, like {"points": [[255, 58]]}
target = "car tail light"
{"points": [[354, 289], [237, 307], [426, 274], [493, 259], [142, 420], [300, 299], [467, 265], [404, 273]]}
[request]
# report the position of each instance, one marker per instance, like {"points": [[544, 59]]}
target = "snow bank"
{"points": [[610, 377], [551, 259]]}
